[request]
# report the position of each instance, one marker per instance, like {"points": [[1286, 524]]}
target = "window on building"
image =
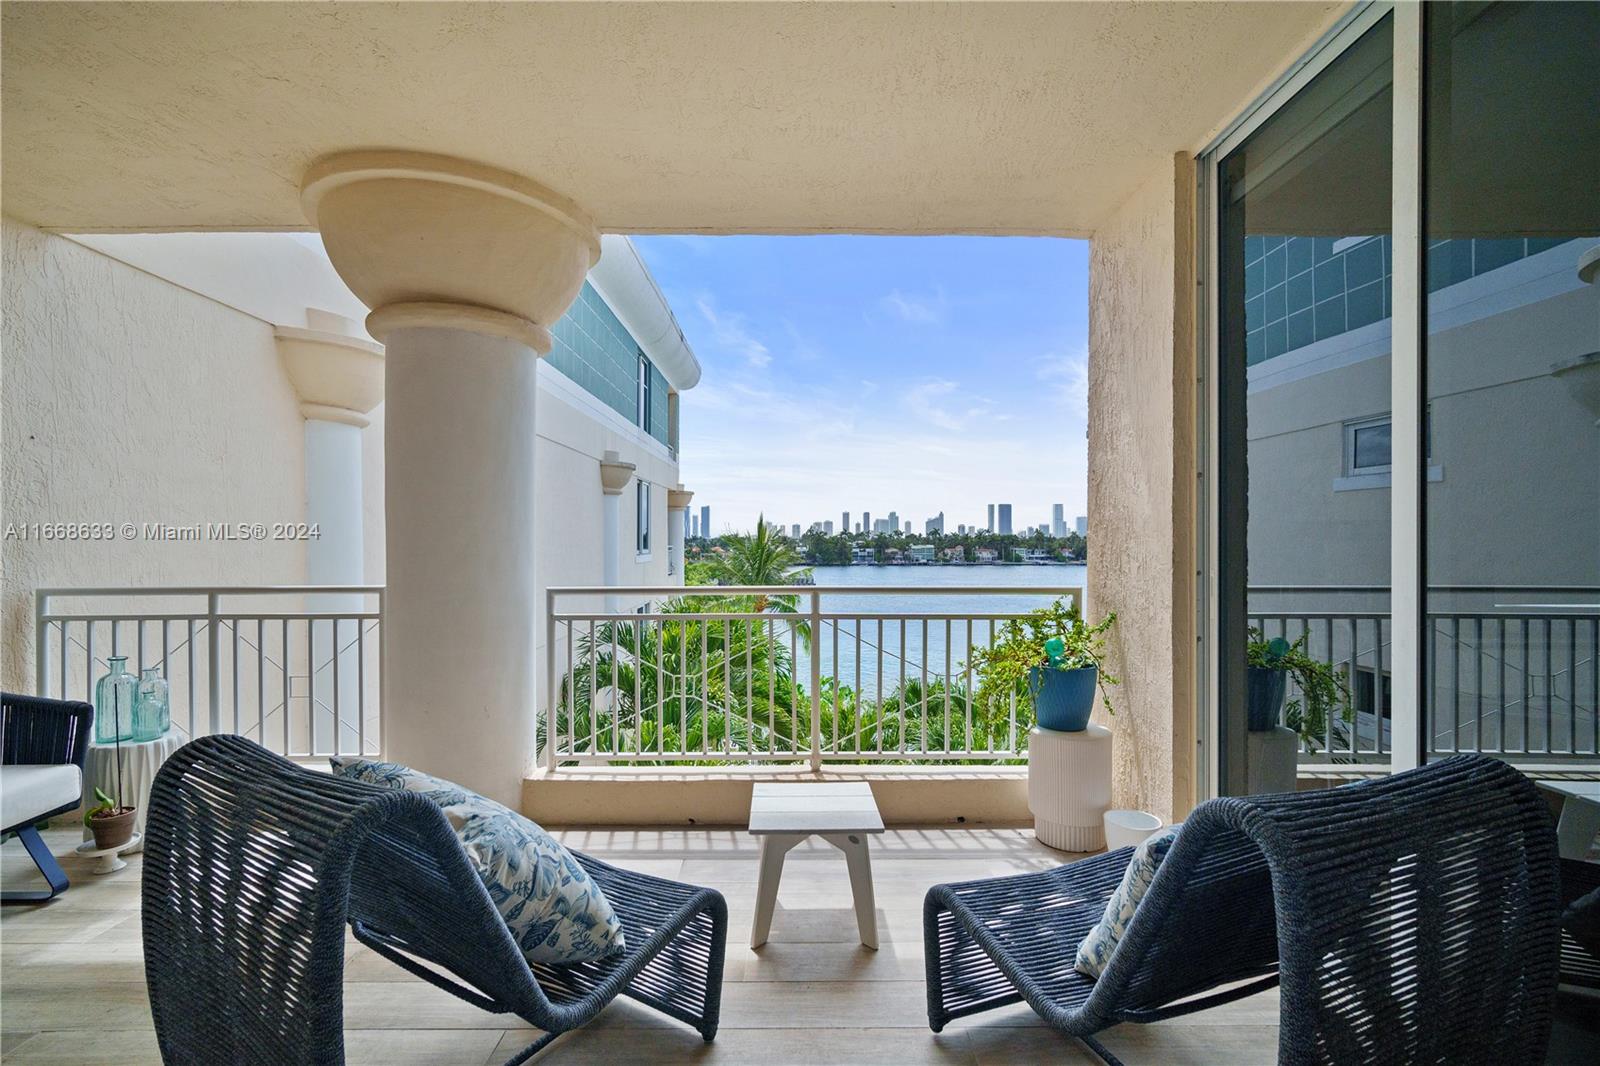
{"points": [[642, 520], [644, 393], [1368, 445]]}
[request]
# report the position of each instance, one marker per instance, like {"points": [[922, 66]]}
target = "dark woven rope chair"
{"points": [[1580, 923], [253, 867], [1411, 919], [38, 732]]}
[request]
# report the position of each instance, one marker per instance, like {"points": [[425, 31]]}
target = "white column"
{"points": [[677, 517], [339, 379], [466, 267], [615, 475]]}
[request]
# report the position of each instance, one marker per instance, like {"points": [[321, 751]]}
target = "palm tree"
{"points": [[764, 557], [694, 684]]}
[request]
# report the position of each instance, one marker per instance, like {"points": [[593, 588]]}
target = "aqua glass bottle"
{"points": [[114, 696], [151, 715]]}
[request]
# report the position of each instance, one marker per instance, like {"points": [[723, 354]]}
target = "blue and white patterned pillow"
{"points": [[1096, 949], [556, 914]]}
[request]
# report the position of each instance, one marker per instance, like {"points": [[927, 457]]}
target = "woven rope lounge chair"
{"points": [[42, 747], [1411, 919], [253, 867]]}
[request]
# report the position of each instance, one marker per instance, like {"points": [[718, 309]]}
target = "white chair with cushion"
{"points": [[42, 745]]}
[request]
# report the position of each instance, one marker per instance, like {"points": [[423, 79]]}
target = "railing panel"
{"points": [[770, 674], [296, 668], [1503, 682]]}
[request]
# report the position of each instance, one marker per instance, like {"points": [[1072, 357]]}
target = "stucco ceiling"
{"points": [[988, 118]]}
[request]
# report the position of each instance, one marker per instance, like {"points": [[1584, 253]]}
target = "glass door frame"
{"points": [[1220, 517]]}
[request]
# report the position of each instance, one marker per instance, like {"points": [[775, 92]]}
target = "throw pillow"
{"points": [[1096, 949], [555, 912]]}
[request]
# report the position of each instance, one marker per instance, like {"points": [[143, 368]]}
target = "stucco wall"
{"points": [[129, 399], [1141, 456]]}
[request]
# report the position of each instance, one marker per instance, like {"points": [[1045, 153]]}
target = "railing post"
{"points": [[816, 680], [41, 647], [213, 655], [550, 679]]}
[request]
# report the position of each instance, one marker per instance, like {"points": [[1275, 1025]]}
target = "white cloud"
{"points": [[732, 333], [924, 310], [929, 402], [1067, 375]]}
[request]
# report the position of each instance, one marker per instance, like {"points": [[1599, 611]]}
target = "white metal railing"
{"points": [[297, 668], [1520, 680], [772, 674]]}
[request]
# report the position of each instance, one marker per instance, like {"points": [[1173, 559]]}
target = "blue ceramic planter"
{"points": [[1063, 698], [1264, 697]]}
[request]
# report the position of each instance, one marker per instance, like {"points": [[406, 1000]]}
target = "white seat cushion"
{"points": [[29, 792]]}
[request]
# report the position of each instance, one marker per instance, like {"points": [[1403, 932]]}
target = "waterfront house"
{"points": [[1334, 396]]}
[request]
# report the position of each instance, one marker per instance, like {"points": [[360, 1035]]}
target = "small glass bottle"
{"points": [[152, 716], [114, 696]]}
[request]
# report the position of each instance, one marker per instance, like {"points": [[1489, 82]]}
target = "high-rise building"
{"points": [[694, 526], [935, 524], [1083, 525], [827, 527], [705, 521], [908, 528], [794, 531], [1004, 510], [1058, 520], [866, 522], [894, 522], [844, 522]]}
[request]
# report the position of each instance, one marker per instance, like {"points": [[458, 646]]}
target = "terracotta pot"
{"points": [[112, 830]]}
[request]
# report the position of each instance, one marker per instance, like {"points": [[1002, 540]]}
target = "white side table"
{"points": [[1578, 822], [843, 814], [1272, 762], [139, 765], [1069, 786]]}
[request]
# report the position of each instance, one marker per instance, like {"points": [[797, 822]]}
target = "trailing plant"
{"points": [[1323, 697], [1021, 645]]}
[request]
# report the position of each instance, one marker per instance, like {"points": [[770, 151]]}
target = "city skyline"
{"points": [[1054, 522], [923, 373]]}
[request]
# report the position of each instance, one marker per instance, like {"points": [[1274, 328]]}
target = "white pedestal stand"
{"points": [[1069, 787], [1272, 761], [107, 860]]}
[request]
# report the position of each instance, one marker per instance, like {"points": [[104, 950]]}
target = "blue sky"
{"points": [[913, 374]]}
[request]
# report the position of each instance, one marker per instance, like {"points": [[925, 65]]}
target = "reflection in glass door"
{"points": [[1511, 370], [1303, 260]]}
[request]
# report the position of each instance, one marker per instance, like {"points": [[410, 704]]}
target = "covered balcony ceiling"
{"points": [[982, 118]]}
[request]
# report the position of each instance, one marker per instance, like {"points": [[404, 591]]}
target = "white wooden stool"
{"points": [[843, 814]]}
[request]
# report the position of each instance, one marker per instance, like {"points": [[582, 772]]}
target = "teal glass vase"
{"points": [[152, 716], [114, 696]]}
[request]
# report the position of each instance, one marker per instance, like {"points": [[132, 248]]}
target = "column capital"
{"points": [[678, 498], [337, 377], [432, 241], [615, 474]]}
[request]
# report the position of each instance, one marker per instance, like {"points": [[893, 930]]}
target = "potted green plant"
{"points": [[1322, 692], [1051, 661], [111, 824]]}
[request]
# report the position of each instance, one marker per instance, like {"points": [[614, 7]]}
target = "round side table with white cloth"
{"points": [[140, 761], [1069, 786]]}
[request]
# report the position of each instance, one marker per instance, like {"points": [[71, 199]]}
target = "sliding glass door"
{"points": [[1511, 375], [1303, 264], [1401, 322]]}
